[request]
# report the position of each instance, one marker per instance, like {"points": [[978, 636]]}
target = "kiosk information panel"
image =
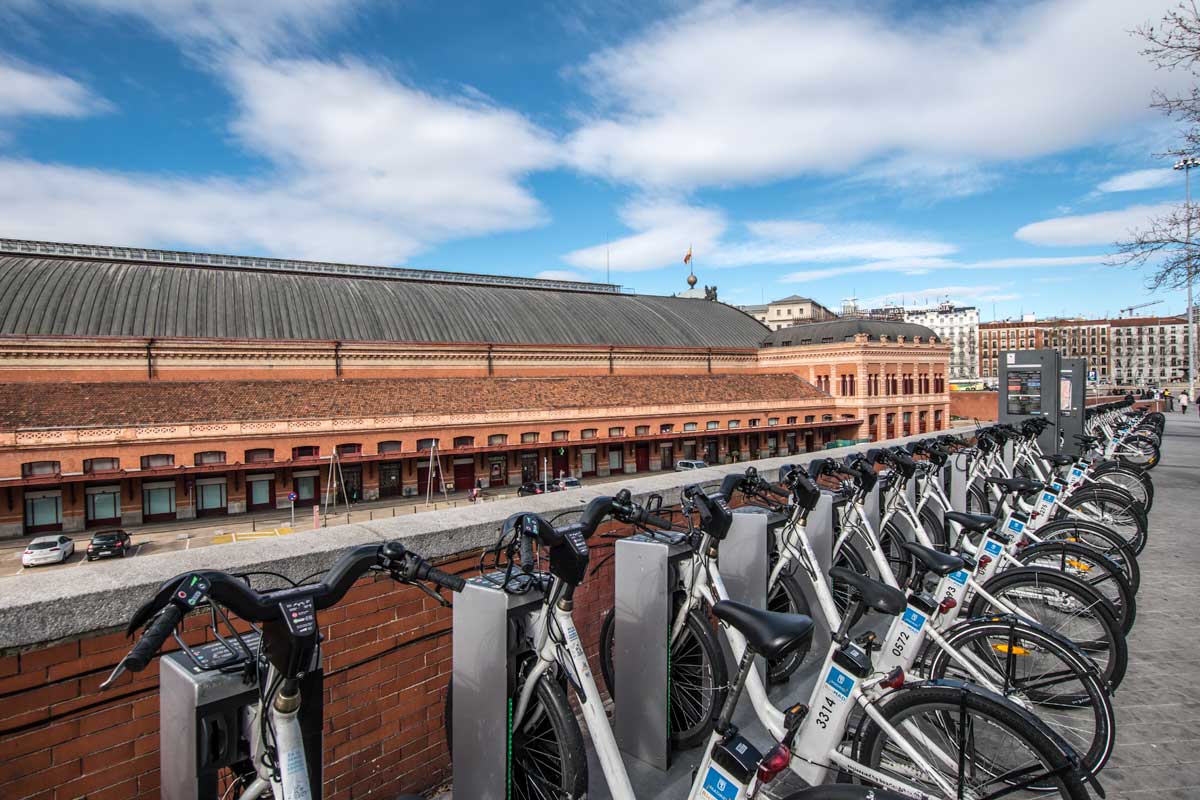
{"points": [[1029, 387], [1072, 393]]}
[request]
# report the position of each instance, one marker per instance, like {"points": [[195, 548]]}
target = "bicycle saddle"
{"points": [[875, 595], [1085, 439], [1057, 460], [936, 562], [976, 523], [1017, 485], [768, 633]]}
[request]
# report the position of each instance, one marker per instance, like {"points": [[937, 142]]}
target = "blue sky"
{"points": [[986, 152]]}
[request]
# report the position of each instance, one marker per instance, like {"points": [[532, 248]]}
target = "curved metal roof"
{"points": [[85, 297], [839, 330]]}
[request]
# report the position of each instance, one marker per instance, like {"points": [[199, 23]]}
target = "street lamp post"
{"points": [[1186, 165]]}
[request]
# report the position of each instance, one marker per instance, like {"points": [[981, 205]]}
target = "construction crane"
{"points": [[1131, 309]]}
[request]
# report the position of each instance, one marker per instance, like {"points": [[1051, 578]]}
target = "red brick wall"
{"points": [[387, 661]]}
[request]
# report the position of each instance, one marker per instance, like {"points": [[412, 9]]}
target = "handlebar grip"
{"points": [[771, 488], [526, 553], [444, 579], [152, 640], [655, 521]]}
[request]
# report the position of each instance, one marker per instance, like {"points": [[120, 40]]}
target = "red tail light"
{"points": [[946, 605], [774, 763], [894, 680], [984, 561]]}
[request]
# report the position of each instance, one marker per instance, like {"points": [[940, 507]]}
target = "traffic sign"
{"points": [[292, 496]]}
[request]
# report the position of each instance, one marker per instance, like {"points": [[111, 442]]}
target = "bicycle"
{"points": [[276, 764]]}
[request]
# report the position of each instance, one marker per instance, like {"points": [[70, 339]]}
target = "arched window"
{"points": [[588, 433], [306, 451], [349, 449], [641, 430], [391, 446], [529, 437], [497, 439], [158, 460], [616, 432], [210, 457], [91, 465], [260, 455], [559, 436], [464, 441], [32, 468], [426, 444], [689, 426]]}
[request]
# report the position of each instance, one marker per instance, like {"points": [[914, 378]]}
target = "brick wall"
{"points": [[387, 664]]}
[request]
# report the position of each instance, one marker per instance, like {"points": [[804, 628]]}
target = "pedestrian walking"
{"points": [[1183, 401]]}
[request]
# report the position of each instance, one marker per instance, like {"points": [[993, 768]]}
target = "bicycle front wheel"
{"points": [[786, 597], [979, 744], [1114, 509], [1040, 671], [1096, 570], [1065, 606], [1099, 538]]}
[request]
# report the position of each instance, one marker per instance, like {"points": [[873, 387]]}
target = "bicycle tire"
{"points": [[694, 706], [934, 527], [787, 598], [1100, 638], [1135, 481], [945, 699], [1093, 568], [560, 753], [1114, 510], [899, 559], [843, 594], [1081, 692], [978, 501], [1148, 452], [1100, 538]]}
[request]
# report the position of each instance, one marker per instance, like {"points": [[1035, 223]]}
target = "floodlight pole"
{"points": [[1186, 165]]}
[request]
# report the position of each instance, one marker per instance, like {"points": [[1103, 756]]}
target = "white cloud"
{"points": [[922, 266], [1034, 261], [27, 91], [1138, 180], [256, 26], [364, 168], [665, 231], [733, 93], [1102, 228]]}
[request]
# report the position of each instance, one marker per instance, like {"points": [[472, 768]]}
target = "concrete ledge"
{"points": [[41, 609]]}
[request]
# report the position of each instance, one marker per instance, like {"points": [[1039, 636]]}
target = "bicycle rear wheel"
{"points": [[994, 748], [1041, 671], [787, 598], [1114, 509], [699, 679], [1064, 606], [1099, 538], [1096, 570]]}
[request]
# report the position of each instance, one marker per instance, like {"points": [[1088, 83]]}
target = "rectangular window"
{"points": [[641, 430], [210, 457], [158, 460], [43, 511], [810, 418], [262, 455], [559, 436], [349, 449], [306, 451], [735, 423], [389, 447], [158, 501], [426, 444], [712, 425], [772, 422], [616, 459], [754, 422], [32, 468], [689, 426], [529, 438], [791, 420], [101, 465], [666, 427], [616, 431], [588, 433]]}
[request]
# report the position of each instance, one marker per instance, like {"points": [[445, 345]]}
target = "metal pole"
{"points": [[1191, 325]]}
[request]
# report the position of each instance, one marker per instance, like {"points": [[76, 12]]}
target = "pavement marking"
{"points": [[139, 548]]}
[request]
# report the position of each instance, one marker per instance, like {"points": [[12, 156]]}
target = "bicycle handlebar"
{"points": [[153, 639]]}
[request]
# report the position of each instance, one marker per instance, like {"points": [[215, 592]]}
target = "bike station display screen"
{"points": [[1024, 390], [1064, 395]]}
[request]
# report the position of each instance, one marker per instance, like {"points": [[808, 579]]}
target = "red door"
{"points": [[422, 477], [560, 463], [464, 476], [642, 457]]}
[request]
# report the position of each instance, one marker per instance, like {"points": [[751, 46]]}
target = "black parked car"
{"points": [[528, 488], [109, 543]]}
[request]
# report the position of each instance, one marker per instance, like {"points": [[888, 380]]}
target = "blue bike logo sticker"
{"points": [[913, 619], [718, 787], [959, 577], [992, 547], [1016, 526], [1047, 498], [840, 681]]}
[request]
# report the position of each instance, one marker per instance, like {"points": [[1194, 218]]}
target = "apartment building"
{"points": [[957, 326], [791, 310]]}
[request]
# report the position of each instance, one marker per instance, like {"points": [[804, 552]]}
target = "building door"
{"points": [[260, 492], [423, 478], [689, 450], [498, 470], [711, 450], [158, 501], [464, 474], [587, 462], [668, 456], [808, 442], [43, 511], [352, 490], [103, 506], [642, 457], [210, 497], [560, 463], [307, 486], [791, 441], [389, 479], [530, 471]]}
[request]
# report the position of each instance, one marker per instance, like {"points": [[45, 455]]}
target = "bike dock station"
{"points": [[483, 678]]}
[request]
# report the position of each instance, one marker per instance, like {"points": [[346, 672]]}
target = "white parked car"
{"points": [[47, 550], [568, 483], [686, 464]]}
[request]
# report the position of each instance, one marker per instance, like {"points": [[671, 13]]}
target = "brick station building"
{"points": [[140, 385]]}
